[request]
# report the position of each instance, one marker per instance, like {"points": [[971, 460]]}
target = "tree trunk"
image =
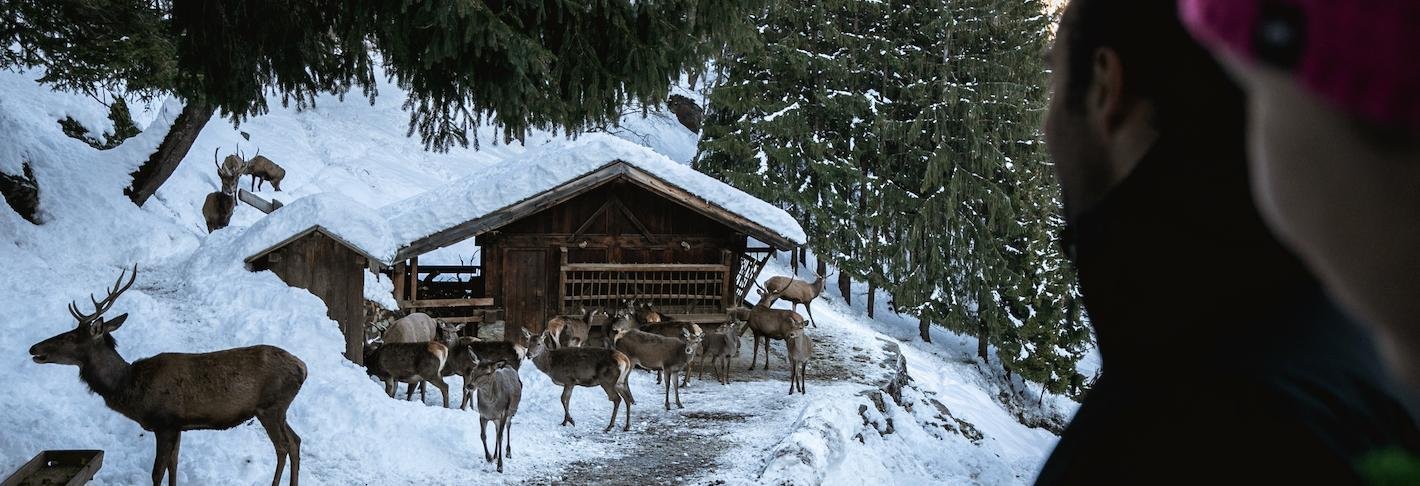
{"points": [[872, 297], [982, 336], [153, 173], [822, 265], [804, 257], [21, 192], [924, 328], [794, 260], [845, 287]]}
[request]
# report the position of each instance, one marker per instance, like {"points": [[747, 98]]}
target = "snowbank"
{"points": [[339, 216], [547, 167]]}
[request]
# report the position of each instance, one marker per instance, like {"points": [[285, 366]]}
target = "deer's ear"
{"points": [[105, 326]]}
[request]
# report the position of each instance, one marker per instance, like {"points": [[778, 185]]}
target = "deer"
{"points": [[720, 346], [417, 327], [767, 323], [673, 329], [585, 366], [572, 331], [799, 348], [655, 352], [409, 363], [644, 313], [799, 292], [218, 207], [267, 171], [174, 392], [499, 392]]}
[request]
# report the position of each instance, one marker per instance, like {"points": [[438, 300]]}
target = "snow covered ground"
{"points": [[193, 295]]}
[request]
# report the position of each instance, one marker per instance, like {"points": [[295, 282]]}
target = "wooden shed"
{"points": [[324, 244], [613, 234]]}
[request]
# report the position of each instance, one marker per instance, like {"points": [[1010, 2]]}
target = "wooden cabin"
{"points": [[617, 233]]}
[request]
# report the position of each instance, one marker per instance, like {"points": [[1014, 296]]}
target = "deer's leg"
{"points": [[483, 437], [668, 387], [803, 370], [677, 390], [755, 358], [293, 449], [766, 352], [615, 396], [810, 310], [173, 458], [390, 386], [566, 411], [423, 398], [509, 451], [498, 445], [274, 423], [163, 454], [441, 385]]}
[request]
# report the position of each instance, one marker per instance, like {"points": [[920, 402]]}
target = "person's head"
{"points": [[1335, 139], [1124, 73]]}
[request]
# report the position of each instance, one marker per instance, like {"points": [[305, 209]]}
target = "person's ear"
{"points": [[1105, 100]]}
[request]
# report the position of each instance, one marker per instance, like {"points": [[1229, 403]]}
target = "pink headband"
{"points": [[1360, 55]]}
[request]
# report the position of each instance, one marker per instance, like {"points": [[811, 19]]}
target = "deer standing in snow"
{"points": [[218, 207], [499, 392], [267, 171], [720, 346], [655, 352], [172, 392], [767, 323], [799, 348], [798, 291], [585, 366]]}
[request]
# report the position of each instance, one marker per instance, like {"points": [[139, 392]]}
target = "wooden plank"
{"points": [[449, 268], [427, 303], [646, 281], [398, 278], [643, 267], [257, 202], [462, 320], [710, 297], [414, 278]]}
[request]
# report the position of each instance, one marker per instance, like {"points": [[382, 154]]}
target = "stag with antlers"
{"points": [[172, 392], [217, 209]]}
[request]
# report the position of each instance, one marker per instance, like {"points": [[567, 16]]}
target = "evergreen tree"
{"points": [[904, 135], [521, 64]]}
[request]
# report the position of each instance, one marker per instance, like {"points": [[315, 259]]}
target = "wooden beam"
{"points": [[698, 204], [257, 202], [643, 267], [591, 220], [634, 221], [414, 278], [427, 303]]}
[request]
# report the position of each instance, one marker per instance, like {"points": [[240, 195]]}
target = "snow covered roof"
{"points": [[346, 220], [466, 207]]}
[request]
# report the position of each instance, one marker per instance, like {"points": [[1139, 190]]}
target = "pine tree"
{"points": [[520, 65], [904, 135]]}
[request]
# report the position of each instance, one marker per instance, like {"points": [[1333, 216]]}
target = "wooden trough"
{"points": [[58, 468]]}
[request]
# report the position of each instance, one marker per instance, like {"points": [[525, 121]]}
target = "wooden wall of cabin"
{"points": [[332, 272], [595, 229]]}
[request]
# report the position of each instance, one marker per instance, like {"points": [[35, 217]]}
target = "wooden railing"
{"points": [[675, 288]]}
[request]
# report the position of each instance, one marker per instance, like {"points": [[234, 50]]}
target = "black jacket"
{"points": [[1223, 360]]}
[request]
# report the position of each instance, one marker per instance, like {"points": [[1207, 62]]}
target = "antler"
{"points": [[214, 158], [102, 306]]}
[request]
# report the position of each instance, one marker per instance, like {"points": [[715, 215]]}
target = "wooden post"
{"points": [[727, 280], [414, 278], [562, 281], [398, 277]]}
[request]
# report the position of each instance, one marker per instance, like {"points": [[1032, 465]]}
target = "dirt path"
{"points": [[692, 445]]}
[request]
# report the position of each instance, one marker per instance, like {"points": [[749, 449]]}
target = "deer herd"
{"points": [[172, 392], [217, 209]]}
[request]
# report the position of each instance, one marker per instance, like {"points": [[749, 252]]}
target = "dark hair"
{"points": [[1162, 63]]}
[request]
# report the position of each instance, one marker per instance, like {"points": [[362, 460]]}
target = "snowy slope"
{"points": [[193, 295]]}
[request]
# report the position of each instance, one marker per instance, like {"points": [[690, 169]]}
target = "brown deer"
{"points": [[720, 346], [799, 292], [572, 331], [218, 207], [799, 348], [644, 312], [173, 392], [267, 171], [499, 392], [675, 329], [655, 352], [767, 323], [417, 327], [586, 366], [409, 363]]}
